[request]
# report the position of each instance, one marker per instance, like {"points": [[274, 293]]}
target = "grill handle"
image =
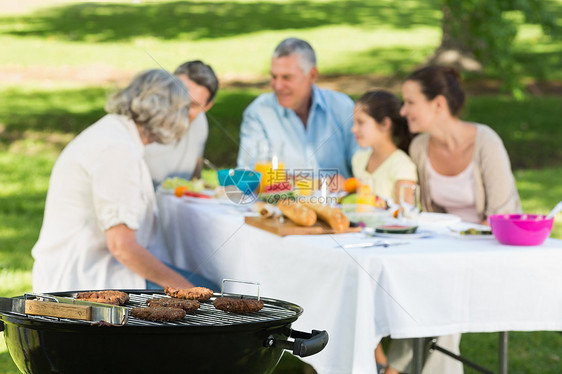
{"points": [[304, 343]]}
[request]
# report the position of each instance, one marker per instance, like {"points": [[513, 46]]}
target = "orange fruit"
{"points": [[350, 185], [180, 190]]}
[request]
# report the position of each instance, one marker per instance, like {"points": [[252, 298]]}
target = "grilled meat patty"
{"points": [[158, 313], [228, 304], [194, 293], [169, 302], [106, 297]]}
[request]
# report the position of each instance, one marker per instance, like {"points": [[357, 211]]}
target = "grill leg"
{"points": [[418, 355], [503, 337]]}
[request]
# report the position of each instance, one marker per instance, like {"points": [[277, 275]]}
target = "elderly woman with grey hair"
{"points": [[100, 207], [184, 158]]}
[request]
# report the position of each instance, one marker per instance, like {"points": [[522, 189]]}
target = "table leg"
{"points": [[418, 355], [502, 350]]}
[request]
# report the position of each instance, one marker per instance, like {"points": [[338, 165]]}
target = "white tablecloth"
{"points": [[429, 287]]}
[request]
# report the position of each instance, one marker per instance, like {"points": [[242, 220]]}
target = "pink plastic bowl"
{"points": [[520, 229]]}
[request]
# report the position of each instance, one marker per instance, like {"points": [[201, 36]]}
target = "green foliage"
{"points": [[530, 129], [346, 34], [488, 29]]}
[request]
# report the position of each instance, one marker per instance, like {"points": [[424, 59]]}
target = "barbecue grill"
{"points": [[206, 341]]}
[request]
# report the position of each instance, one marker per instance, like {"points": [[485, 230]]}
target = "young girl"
{"points": [[378, 127]]}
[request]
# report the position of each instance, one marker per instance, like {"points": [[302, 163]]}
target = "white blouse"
{"points": [[454, 193], [100, 180]]}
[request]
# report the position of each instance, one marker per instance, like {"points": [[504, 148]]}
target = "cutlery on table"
{"points": [[377, 243], [555, 211]]}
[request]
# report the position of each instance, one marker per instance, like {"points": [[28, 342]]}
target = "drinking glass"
{"points": [[269, 163], [409, 195], [365, 196]]}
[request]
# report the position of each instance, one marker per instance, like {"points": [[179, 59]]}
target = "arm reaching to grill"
{"points": [[122, 243]]}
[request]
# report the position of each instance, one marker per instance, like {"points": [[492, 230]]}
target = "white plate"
{"points": [[431, 219], [415, 235], [455, 230]]}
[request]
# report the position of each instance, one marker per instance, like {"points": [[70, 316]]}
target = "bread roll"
{"points": [[297, 213], [332, 216], [264, 209]]}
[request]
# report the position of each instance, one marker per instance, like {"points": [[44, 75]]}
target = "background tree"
{"points": [[481, 33]]}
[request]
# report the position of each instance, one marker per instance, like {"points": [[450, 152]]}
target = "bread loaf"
{"points": [[332, 216], [264, 209], [297, 213]]}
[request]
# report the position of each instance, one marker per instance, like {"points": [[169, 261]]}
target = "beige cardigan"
{"points": [[494, 184]]}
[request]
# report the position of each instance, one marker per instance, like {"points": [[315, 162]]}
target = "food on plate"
{"points": [[105, 297], [396, 229], [158, 313], [349, 199], [264, 209], [474, 231], [194, 185], [332, 216], [296, 212], [350, 185], [278, 187], [170, 302], [271, 194], [196, 194], [180, 190], [380, 203], [228, 304], [194, 293]]}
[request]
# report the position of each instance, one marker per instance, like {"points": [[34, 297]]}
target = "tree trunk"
{"points": [[454, 50]]}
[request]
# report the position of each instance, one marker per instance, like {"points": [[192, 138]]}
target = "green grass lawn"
{"points": [[352, 37], [60, 59]]}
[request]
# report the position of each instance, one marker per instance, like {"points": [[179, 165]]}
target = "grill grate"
{"points": [[206, 315]]}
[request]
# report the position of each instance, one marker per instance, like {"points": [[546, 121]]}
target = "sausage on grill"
{"points": [[194, 293], [158, 313], [169, 302], [105, 297], [228, 304]]}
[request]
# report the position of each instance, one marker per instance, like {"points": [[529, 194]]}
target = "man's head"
{"points": [[202, 85], [293, 71]]}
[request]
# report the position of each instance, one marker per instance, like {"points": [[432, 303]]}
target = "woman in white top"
{"points": [[378, 127], [100, 207]]}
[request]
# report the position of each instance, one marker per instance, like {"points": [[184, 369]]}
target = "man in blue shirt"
{"points": [[310, 124]]}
